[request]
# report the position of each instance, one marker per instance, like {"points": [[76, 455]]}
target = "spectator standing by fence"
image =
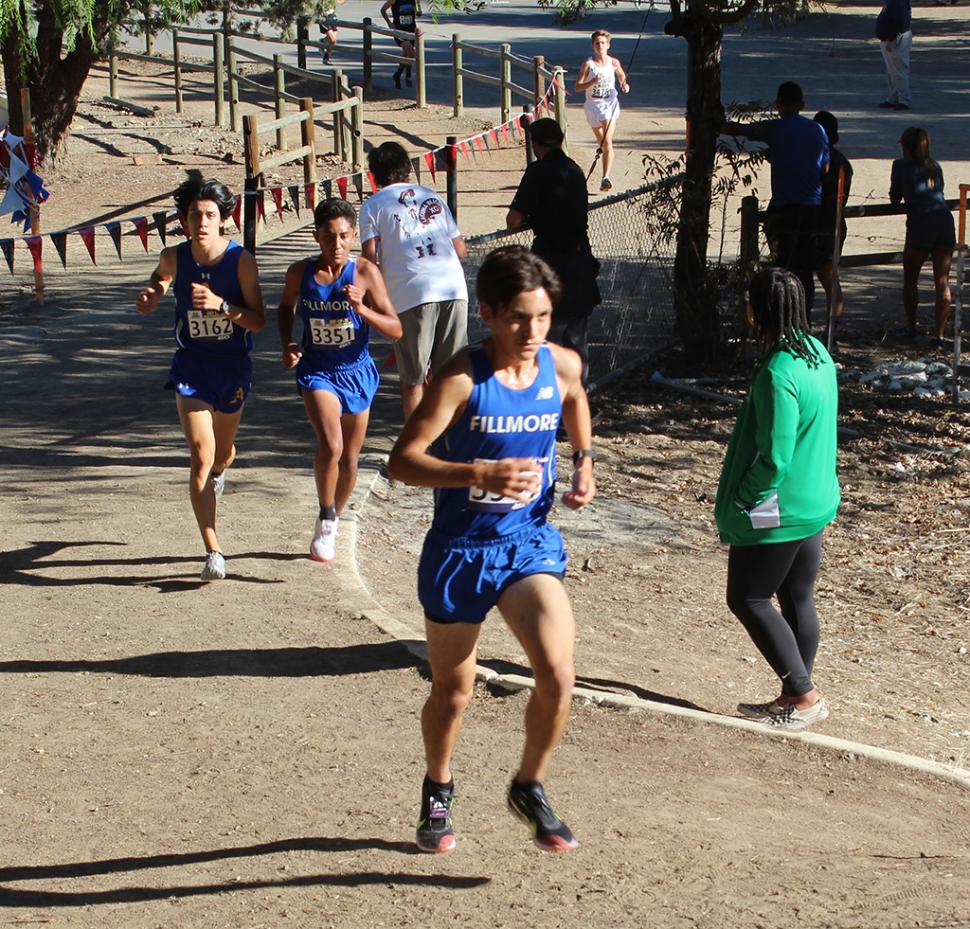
{"points": [[553, 200], [218, 306], [930, 232], [411, 234], [896, 42], [402, 16], [825, 242], [798, 152]]}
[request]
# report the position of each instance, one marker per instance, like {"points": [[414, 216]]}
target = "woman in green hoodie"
{"points": [[777, 492]]}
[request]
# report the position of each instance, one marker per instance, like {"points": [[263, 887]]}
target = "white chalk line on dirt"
{"points": [[369, 476]]}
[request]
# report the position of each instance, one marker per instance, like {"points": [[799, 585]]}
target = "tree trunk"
{"points": [[695, 296], [55, 79]]}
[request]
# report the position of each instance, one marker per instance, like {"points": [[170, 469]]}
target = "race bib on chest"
{"points": [[406, 20], [204, 324], [602, 89], [487, 502], [331, 333]]}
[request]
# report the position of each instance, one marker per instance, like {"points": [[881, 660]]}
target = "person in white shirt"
{"points": [[410, 232]]}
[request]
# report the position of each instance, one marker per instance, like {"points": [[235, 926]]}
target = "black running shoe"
{"points": [[528, 802], [434, 827]]}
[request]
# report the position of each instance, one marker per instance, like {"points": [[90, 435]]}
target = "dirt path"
{"points": [[248, 754]]}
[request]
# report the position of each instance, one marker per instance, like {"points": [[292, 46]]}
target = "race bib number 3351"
{"points": [[331, 333], [488, 502]]}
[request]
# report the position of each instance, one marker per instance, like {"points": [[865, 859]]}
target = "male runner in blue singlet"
{"points": [[338, 298], [491, 414], [218, 306]]}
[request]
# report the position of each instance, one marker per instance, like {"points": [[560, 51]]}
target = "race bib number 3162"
{"points": [[207, 325]]}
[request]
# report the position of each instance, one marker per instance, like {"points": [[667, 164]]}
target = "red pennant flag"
{"points": [[505, 132], [517, 123], [141, 224], [391, 360], [464, 150], [310, 190], [429, 161], [36, 245], [237, 212], [494, 135], [277, 194], [87, 236], [372, 182], [478, 142], [342, 186]]}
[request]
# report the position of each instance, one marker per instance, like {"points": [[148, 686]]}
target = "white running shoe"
{"points": [[323, 546], [606, 185], [219, 482], [790, 718], [214, 568]]}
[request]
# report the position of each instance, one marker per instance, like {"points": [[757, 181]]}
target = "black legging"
{"points": [[788, 640]]}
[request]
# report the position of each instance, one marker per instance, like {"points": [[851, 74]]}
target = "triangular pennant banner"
{"points": [[310, 190], [464, 150], [261, 205], [494, 135], [372, 182], [36, 245], [237, 213], [452, 159], [328, 188], [416, 164], [505, 132], [6, 246], [277, 194], [60, 243], [87, 236], [359, 185], [141, 224], [114, 230], [161, 218], [294, 192], [342, 186], [429, 161], [479, 144]]}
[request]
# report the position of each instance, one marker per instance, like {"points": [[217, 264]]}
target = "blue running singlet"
{"points": [[208, 332], [334, 336], [497, 423]]}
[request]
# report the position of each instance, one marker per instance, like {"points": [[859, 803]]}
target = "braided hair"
{"points": [[776, 299]]}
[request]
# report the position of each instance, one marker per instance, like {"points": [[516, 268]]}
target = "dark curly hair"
{"points": [[195, 188], [510, 271]]}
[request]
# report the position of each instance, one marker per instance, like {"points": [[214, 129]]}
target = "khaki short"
{"points": [[433, 332]]}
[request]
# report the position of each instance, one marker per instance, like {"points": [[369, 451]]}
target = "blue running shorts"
{"points": [[223, 383], [460, 580], [354, 387]]}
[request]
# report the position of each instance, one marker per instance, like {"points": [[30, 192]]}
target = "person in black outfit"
{"points": [[553, 200], [402, 16], [825, 238]]}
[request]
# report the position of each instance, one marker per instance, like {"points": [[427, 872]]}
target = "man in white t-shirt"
{"points": [[410, 232]]}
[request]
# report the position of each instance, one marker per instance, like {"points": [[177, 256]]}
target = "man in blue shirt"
{"points": [[798, 152], [896, 41]]}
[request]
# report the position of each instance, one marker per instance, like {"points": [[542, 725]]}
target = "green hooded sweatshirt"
{"points": [[778, 481]]}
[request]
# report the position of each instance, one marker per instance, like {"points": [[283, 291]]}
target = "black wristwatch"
{"points": [[583, 453], [224, 308]]}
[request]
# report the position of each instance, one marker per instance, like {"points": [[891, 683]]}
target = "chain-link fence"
{"points": [[636, 253]]}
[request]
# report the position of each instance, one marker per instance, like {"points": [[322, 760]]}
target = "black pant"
{"points": [[791, 229], [572, 333], [789, 639]]}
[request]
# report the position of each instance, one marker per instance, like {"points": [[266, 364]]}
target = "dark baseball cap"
{"points": [[545, 131]]}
